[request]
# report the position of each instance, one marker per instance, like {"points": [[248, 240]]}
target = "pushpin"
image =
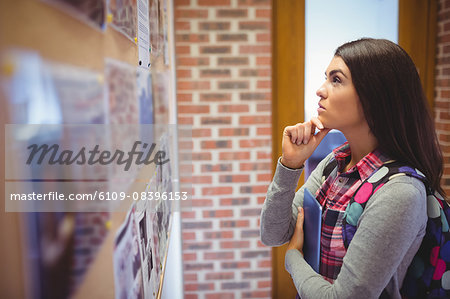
{"points": [[108, 224], [109, 18], [135, 39], [8, 68]]}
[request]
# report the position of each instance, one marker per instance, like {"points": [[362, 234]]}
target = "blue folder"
{"points": [[312, 227]]}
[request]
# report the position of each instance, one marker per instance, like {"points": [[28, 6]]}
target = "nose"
{"points": [[322, 92]]}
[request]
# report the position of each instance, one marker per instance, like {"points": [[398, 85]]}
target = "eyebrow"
{"points": [[334, 72]]}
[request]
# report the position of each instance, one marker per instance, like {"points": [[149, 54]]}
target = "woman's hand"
{"points": [[298, 236], [299, 142]]}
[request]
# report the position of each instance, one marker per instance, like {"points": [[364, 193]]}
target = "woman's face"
{"points": [[339, 105]]}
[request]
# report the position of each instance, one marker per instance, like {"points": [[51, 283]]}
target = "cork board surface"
{"points": [[57, 36]]}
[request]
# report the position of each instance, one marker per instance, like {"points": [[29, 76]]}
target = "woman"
{"points": [[373, 95]]}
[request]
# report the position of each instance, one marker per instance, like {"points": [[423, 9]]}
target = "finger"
{"points": [[291, 132], [313, 127], [308, 131], [317, 123], [300, 133]]}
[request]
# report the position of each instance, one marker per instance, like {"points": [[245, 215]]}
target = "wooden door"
{"points": [[417, 35]]}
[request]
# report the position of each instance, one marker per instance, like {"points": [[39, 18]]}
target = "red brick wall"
{"points": [[223, 50], [442, 87]]}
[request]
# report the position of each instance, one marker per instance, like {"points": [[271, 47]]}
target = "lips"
{"points": [[320, 106]]}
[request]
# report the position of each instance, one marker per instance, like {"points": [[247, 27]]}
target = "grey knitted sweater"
{"points": [[389, 234]]}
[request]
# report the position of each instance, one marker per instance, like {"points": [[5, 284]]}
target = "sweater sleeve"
{"points": [[279, 212], [391, 227]]}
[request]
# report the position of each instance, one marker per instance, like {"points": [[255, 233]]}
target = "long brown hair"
{"points": [[395, 104]]}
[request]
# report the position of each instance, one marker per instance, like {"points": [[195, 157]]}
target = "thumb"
{"points": [[320, 136], [300, 217]]}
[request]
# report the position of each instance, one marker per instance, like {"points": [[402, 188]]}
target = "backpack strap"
{"points": [[331, 166], [372, 184]]}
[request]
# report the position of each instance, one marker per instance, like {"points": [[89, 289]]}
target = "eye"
{"points": [[336, 79]]}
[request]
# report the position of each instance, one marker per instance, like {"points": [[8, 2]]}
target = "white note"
{"points": [[143, 34]]}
